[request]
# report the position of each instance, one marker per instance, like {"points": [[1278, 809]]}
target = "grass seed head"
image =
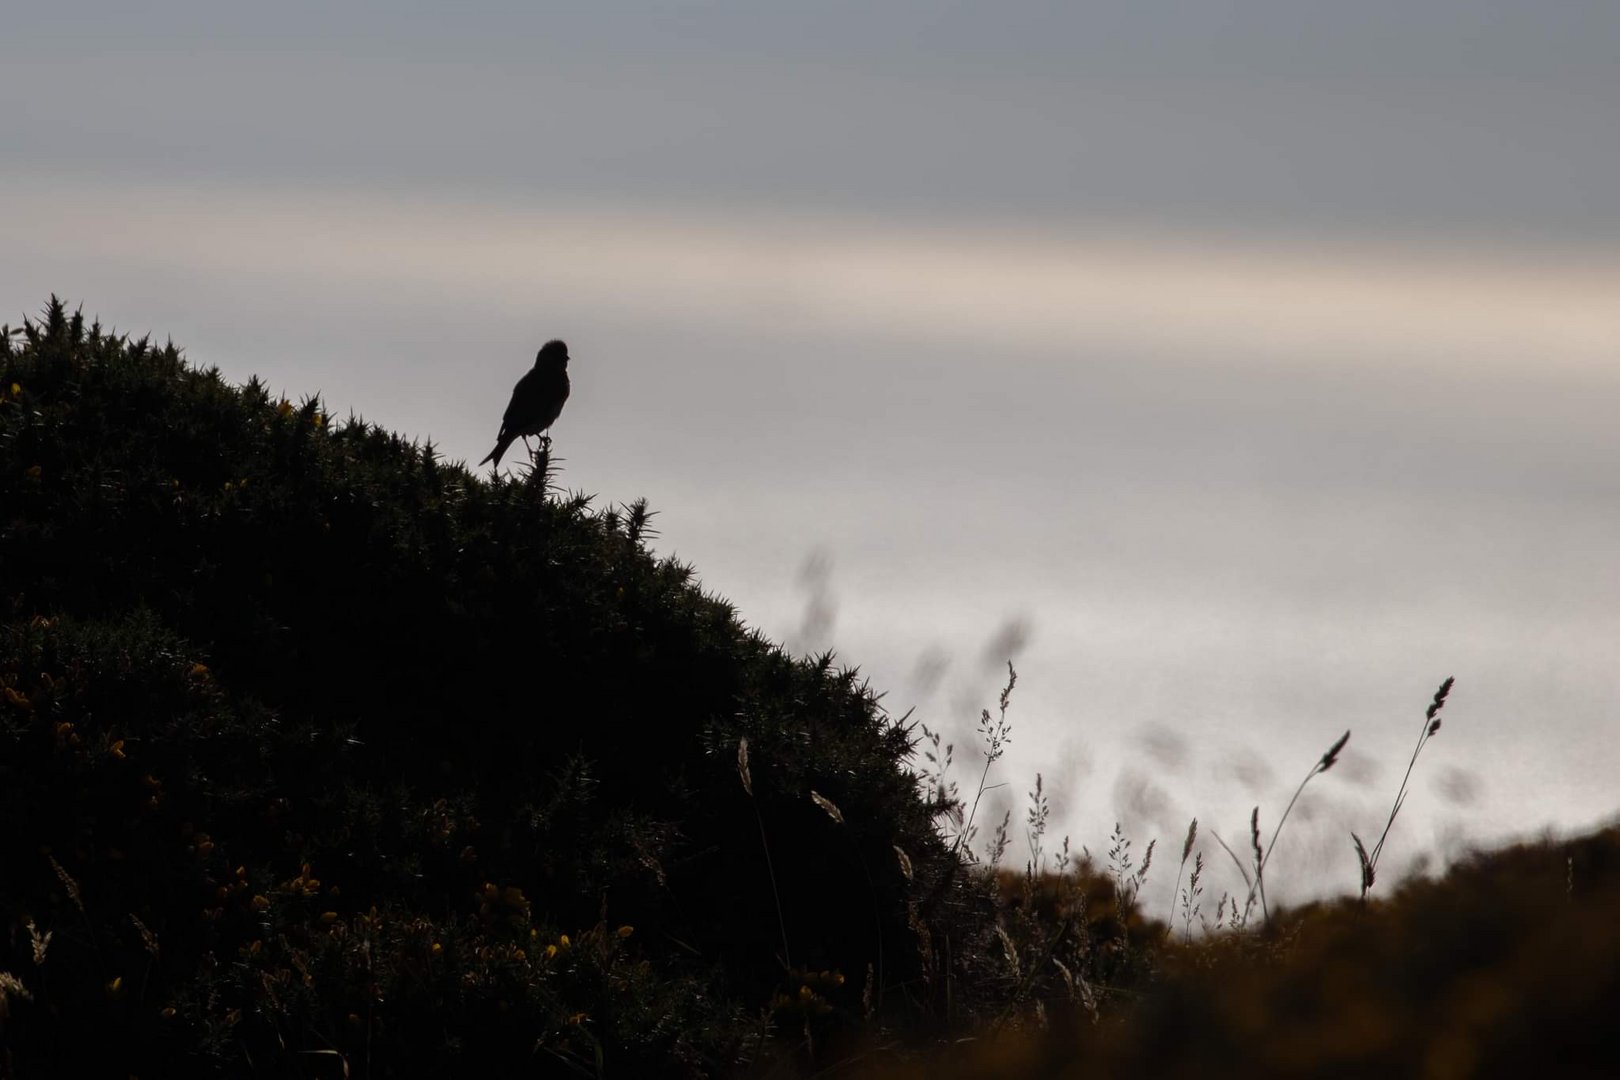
{"points": [[1331, 758]]}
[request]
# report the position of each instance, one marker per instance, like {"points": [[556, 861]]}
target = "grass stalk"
{"points": [[1323, 764], [1431, 725]]}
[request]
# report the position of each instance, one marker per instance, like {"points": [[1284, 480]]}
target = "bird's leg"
{"points": [[527, 449]]}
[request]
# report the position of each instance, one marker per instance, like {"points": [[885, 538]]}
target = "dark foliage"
{"points": [[319, 753], [1509, 966]]}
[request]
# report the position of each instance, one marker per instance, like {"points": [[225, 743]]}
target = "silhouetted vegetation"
{"points": [[1509, 966], [320, 756]]}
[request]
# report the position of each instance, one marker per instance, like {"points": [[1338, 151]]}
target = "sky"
{"points": [[1239, 369]]}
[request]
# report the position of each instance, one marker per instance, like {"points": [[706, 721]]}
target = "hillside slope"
{"points": [[314, 744]]}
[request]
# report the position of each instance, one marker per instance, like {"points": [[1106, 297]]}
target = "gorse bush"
{"points": [[318, 751]]}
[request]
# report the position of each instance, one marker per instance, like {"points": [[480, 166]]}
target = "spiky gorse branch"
{"points": [[1431, 725], [543, 467]]}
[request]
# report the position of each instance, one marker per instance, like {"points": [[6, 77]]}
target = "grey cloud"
{"points": [[1459, 787], [1167, 748], [1263, 118]]}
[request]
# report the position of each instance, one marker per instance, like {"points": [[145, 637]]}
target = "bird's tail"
{"points": [[495, 454]]}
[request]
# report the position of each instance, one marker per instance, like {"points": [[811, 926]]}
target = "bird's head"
{"points": [[552, 354]]}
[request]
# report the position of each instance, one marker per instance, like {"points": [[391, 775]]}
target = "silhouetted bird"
{"points": [[537, 399]]}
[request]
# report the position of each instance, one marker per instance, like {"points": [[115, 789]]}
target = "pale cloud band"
{"points": [[1199, 298]]}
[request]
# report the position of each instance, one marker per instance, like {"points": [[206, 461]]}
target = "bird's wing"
{"points": [[521, 405]]}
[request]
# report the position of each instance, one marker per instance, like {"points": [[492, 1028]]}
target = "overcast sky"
{"points": [[1243, 368]]}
